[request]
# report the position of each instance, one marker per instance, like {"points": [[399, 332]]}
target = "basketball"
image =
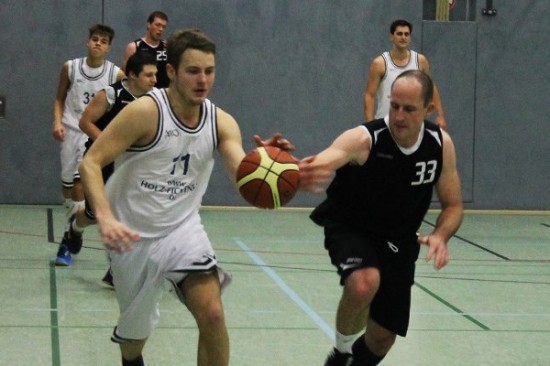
{"points": [[268, 177]]}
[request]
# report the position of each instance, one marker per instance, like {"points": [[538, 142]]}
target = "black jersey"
{"points": [[390, 194], [160, 54], [122, 98]]}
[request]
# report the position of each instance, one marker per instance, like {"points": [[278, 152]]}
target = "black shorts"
{"points": [[350, 249]]}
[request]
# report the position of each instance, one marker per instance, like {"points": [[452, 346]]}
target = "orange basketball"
{"points": [[268, 177]]}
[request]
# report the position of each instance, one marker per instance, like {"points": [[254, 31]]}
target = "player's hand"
{"points": [[437, 249], [58, 132], [116, 236], [276, 140], [314, 179]]}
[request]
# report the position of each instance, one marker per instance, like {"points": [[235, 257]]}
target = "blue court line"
{"points": [[327, 329]]}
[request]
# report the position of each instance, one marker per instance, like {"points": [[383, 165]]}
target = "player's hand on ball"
{"points": [[314, 178], [268, 177], [276, 140]]}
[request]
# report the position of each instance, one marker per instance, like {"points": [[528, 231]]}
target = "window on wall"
{"points": [[449, 10]]}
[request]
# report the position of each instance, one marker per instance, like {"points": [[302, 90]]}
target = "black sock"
{"points": [[135, 362], [362, 355]]}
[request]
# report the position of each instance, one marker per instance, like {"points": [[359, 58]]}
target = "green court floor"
{"points": [[489, 306]]}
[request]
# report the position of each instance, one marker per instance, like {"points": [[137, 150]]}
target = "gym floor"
{"points": [[489, 306]]}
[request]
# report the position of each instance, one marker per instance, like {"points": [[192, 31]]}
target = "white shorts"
{"points": [[142, 275], [72, 150]]}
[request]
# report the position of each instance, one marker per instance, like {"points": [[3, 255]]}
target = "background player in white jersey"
{"points": [[153, 43], [105, 105], [78, 82], [386, 67], [386, 170], [163, 145]]}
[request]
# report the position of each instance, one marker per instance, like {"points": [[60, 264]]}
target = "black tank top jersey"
{"points": [[160, 53], [122, 98], [390, 194]]}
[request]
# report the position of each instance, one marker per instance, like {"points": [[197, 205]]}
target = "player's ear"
{"points": [[430, 108], [170, 71]]}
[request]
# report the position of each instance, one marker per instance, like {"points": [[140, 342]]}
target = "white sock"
{"points": [[76, 228], [67, 203], [344, 342]]}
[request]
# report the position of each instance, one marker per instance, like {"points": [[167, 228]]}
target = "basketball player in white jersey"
{"points": [[106, 104], [163, 145], [386, 67], [78, 82]]}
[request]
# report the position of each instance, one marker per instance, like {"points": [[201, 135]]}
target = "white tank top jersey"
{"points": [[157, 187], [85, 81], [392, 72]]}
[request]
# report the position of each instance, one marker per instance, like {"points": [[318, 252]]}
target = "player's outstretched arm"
{"points": [[352, 146], [230, 143]]}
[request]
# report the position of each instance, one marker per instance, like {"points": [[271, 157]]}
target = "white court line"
{"points": [[290, 292]]}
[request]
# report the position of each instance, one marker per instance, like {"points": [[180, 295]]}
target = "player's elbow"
{"points": [[83, 124]]}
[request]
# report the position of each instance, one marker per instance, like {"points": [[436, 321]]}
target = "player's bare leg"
{"points": [[132, 350], [77, 191], [378, 339], [67, 192], [203, 298], [353, 309]]}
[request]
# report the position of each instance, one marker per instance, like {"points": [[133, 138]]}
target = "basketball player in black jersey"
{"points": [[152, 43], [385, 173]]}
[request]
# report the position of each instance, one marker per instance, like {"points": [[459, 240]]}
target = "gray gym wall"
{"points": [[299, 67]]}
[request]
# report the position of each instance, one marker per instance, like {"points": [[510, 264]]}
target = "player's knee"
{"points": [[211, 315], [363, 284]]}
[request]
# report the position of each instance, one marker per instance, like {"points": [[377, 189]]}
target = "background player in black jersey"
{"points": [[153, 43], [107, 103], [385, 174]]}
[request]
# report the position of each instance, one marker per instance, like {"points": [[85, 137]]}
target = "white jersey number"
{"points": [[425, 172]]}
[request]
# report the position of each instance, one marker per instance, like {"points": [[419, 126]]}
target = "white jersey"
{"points": [[155, 188], [85, 81], [392, 72]]}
